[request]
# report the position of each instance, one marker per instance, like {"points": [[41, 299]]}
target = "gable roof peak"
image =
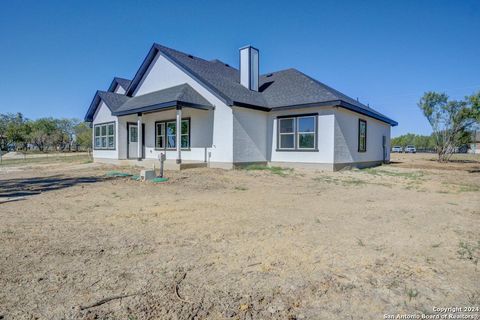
{"points": [[122, 82]]}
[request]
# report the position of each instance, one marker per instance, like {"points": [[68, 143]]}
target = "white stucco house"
{"points": [[232, 117]]}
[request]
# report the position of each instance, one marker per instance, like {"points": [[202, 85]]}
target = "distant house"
{"points": [[230, 117]]}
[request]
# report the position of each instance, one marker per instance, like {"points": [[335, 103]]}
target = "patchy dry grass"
{"points": [[272, 169], [469, 251], [68, 158], [241, 188], [412, 175]]}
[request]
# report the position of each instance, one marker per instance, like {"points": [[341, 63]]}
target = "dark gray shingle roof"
{"points": [[182, 95], [113, 100], [276, 90], [283, 89], [120, 104], [224, 79], [124, 83]]}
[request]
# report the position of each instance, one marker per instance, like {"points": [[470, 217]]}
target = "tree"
{"points": [[14, 130], [65, 133], [83, 135], [450, 120], [44, 133]]}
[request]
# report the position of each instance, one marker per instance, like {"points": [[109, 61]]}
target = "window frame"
{"points": [[287, 133], [130, 134], [106, 135], [296, 133], [360, 121], [162, 135], [165, 136]]}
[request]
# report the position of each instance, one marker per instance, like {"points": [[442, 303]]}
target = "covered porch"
{"points": [[176, 123]]}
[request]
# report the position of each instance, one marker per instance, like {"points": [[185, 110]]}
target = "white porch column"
{"points": [[179, 134], [139, 137]]}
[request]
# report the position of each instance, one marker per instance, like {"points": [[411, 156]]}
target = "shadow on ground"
{"points": [[30, 186]]}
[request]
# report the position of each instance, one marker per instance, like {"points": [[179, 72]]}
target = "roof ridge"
{"points": [[120, 78], [274, 72], [109, 93], [185, 87], [160, 47]]}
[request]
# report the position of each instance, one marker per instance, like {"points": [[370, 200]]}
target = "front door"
{"points": [[132, 148]]}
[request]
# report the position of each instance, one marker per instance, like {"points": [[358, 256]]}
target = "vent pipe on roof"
{"points": [[249, 67]]}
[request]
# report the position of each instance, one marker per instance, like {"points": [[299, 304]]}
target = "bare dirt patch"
{"points": [[462, 162], [242, 244]]}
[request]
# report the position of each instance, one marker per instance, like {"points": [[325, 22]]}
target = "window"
{"points": [[287, 133], [297, 133], [104, 136], [160, 135], [306, 132], [362, 135], [166, 131], [171, 135], [133, 134]]}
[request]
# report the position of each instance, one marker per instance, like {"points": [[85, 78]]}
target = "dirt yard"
{"points": [[242, 244]]}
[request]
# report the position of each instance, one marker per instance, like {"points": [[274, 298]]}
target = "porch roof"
{"points": [[182, 95]]}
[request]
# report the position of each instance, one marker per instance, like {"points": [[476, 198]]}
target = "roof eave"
{"points": [[162, 106], [339, 103], [332, 103], [152, 53], [250, 106], [92, 108], [113, 85], [357, 109]]}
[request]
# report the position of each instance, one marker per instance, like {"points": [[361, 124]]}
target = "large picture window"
{"points": [[362, 135], [166, 131], [297, 133], [104, 136]]}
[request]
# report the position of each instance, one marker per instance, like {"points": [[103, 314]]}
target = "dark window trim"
{"points": [[296, 116], [165, 133], [359, 122], [114, 135]]}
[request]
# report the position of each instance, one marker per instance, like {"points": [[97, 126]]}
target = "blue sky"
{"points": [[54, 55]]}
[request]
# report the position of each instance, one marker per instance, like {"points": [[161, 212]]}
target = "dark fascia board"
{"points": [[290, 107], [339, 103], [161, 107], [113, 85], [197, 78], [363, 111], [250, 106], [154, 51], [93, 107], [332, 103]]}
